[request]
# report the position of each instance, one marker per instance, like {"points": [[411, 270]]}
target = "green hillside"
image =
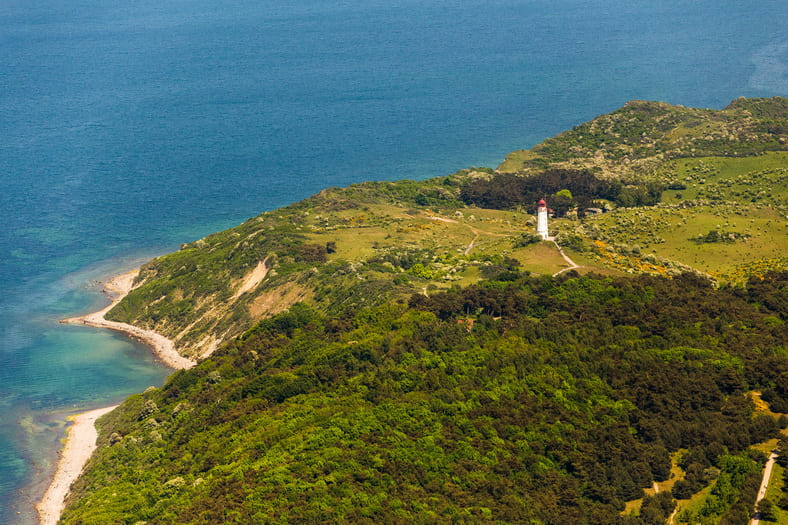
{"points": [[372, 242], [411, 351], [564, 399], [641, 135]]}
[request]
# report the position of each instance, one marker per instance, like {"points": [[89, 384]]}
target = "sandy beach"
{"points": [[163, 347], [80, 444], [81, 436]]}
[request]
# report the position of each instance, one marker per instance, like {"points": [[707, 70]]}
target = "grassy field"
{"points": [[466, 235], [758, 179], [757, 233], [747, 222], [723, 216], [542, 258], [514, 161]]}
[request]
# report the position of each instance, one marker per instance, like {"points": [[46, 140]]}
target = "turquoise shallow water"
{"points": [[130, 128]]}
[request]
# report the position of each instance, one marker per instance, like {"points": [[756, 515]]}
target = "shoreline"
{"points": [[80, 440], [162, 347], [79, 445]]}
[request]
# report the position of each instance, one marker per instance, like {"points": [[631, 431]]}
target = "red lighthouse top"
{"points": [[542, 204]]}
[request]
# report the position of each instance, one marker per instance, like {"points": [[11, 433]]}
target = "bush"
{"points": [[682, 490], [148, 409], [527, 239], [312, 253]]}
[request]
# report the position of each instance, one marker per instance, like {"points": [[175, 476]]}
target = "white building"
{"points": [[541, 220]]}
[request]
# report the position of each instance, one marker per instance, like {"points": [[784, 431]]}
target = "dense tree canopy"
{"points": [[564, 189], [531, 399]]}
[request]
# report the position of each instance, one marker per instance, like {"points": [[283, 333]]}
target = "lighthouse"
{"points": [[541, 220]]}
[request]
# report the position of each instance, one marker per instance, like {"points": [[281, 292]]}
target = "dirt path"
{"points": [[570, 262], [767, 473], [672, 516], [478, 233], [442, 219], [471, 246]]}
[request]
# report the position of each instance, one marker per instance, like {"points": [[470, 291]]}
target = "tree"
{"points": [[765, 510], [561, 203], [782, 453], [682, 489]]}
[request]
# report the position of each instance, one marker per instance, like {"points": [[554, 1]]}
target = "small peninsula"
{"points": [[414, 351], [162, 347]]}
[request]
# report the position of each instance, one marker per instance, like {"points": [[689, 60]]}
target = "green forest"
{"points": [[521, 399], [410, 351]]}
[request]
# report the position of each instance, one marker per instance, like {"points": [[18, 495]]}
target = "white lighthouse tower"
{"points": [[541, 220]]}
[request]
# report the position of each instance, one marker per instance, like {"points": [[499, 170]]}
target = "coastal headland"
{"points": [[162, 347], [412, 350]]}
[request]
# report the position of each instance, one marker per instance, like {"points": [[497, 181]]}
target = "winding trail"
{"points": [[471, 245], [476, 232], [441, 219], [672, 517], [570, 262]]}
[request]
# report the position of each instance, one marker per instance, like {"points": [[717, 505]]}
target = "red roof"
{"points": [[542, 203]]}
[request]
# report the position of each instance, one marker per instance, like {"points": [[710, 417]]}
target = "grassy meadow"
{"points": [[725, 217]]}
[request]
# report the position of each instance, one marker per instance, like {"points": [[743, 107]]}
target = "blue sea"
{"points": [[127, 128]]}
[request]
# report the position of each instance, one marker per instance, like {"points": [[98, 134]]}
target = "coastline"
{"points": [[80, 444], [162, 347], [80, 441]]}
